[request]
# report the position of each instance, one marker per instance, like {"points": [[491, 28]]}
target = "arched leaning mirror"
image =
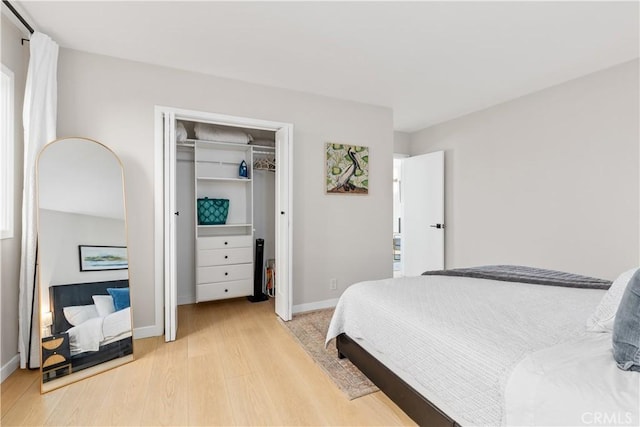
{"points": [[85, 313]]}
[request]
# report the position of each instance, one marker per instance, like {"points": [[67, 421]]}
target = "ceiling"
{"points": [[428, 61]]}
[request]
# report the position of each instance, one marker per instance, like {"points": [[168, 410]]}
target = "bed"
{"points": [[453, 350], [96, 338]]}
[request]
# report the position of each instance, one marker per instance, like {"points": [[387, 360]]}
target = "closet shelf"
{"points": [[263, 149], [222, 144], [218, 162], [224, 226], [266, 148], [212, 178]]}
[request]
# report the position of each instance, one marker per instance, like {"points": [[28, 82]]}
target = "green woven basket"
{"points": [[212, 211]]}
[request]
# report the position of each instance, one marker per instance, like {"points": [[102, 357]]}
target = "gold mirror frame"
{"points": [[64, 195]]}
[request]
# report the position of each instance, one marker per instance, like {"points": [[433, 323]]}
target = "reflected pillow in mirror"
{"points": [[104, 304], [77, 314], [120, 297]]}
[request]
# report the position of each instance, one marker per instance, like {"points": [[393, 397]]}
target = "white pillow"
{"points": [[77, 314], [209, 132], [104, 304], [181, 132], [604, 316]]}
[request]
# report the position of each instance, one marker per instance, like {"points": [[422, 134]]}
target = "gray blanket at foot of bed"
{"points": [[517, 273]]}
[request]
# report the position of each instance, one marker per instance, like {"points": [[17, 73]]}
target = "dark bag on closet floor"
{"points": [[212, 211]]}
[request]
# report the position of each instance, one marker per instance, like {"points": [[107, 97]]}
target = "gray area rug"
{"points": [[310, 329]]}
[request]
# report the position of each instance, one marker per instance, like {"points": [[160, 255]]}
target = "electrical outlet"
{"points": [[333, 284]]}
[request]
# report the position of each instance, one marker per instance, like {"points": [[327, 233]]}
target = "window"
{"points": [[7, 139]]}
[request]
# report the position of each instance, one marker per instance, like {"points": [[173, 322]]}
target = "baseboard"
{"points": [[148, 331], [318, 305], [9, 367]]}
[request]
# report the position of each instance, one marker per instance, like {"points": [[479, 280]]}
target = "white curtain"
{"points": [[39, 119]]}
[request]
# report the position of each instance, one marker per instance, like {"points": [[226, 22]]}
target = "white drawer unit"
{"points": [[224, 273], [224, 248], [223, 290], [224, 267], [224, 242], [211, 257]]}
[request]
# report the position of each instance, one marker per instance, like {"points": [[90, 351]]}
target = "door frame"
{"points": [[284, 201], [400, 157]]}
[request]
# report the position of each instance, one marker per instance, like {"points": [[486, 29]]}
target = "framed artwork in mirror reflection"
{"points": [[100, 258]]}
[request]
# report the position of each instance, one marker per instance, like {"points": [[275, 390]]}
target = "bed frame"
{"points": [[416, 406], [80, 294]]}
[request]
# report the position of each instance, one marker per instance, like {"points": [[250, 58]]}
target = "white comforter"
{"points": [[91, 334], [456, 340], [575, 383]]}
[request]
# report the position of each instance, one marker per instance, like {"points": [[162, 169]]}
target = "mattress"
{"points": [[457, 340]]}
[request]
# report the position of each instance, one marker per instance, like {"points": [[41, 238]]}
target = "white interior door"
{"points": [[170, 223], [283, 223], [185, 225], [422, 192]]}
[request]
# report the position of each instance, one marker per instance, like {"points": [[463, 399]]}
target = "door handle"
{"points": [[437, 225]]}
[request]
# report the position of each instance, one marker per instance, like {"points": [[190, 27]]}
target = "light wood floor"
{"points": [[232, 364]]}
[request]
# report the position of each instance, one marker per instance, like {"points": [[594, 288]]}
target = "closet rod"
{"points": [[20, 18]]}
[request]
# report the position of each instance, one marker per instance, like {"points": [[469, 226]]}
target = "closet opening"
{"points": [[225, 192], [226, 211]]}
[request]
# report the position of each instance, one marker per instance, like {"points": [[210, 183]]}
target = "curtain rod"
{"points": [[20, 18]]}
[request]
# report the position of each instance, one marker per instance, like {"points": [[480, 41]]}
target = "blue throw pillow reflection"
{"points": [[120, 297]]}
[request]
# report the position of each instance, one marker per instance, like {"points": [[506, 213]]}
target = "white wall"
{"points": [[15, 56], [343, 237], [264, 210], [550, 179], [401, 143]]}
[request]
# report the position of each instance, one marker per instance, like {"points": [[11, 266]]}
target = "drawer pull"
{"points": [[226, 274], [226, 243], [226, 290], [226, 257]]}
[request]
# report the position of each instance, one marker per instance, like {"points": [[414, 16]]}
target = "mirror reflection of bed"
{"points": [[84, 299], [97, 330]]}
